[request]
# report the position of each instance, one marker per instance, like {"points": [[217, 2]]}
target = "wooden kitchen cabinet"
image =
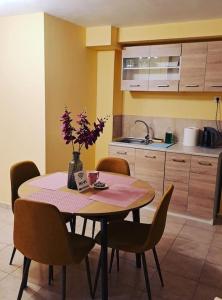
{"points": [[202, 186], [213, 78], [193, 64], [125, 153], [177, 171], [149, 166], [135, 68], [151, 68], [164, 67]]}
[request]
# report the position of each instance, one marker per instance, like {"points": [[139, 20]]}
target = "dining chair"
{"points": [[114, 165], [40, 234], [139, 238], [19, 173]]}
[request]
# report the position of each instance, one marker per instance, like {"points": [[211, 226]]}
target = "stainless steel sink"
{"points": [[133, 141]]}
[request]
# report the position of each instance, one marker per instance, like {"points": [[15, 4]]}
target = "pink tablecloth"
{"points": [[119, 194], [64, 201], [111, 179], [51, 182]]}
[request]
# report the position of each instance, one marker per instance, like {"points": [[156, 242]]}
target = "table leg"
{"points": [[136, 218], [104, 264]]}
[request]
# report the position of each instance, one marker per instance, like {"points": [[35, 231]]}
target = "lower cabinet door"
{"points": [[202, 186], [149, 166], [177, 172]]}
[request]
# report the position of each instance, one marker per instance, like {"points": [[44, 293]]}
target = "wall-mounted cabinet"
{"points": [[173, 67], [151, 68], [213, 79], [193, 65]]}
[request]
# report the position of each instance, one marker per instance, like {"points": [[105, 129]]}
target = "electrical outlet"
{"points": [[217, 99]]}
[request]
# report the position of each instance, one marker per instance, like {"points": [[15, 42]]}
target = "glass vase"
{"points": [[75, 165]]}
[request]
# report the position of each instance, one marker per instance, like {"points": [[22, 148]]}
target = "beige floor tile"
{"points": [[9, 288], [190, 248], [211, 275], [196, 234], [215, 256], [175, 287], [5, 255], [182, 265], [200, 225], [217, 240], [204, 292]]}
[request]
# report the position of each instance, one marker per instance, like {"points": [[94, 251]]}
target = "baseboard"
{"points": [[179, 215], [5, 205]]}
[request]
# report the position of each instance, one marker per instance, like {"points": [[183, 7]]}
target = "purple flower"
{"points": [[84, 136]]}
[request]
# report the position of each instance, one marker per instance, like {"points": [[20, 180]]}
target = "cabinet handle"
{"points": [[150, 156], [204, 163], [192, 85], [134, 85], [163, 85], [123, 153], [217, 85], [179, 160]]}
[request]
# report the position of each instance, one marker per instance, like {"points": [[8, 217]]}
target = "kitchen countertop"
{"points": [[176, 148]]}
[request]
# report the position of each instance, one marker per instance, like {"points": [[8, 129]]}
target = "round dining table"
{"points": [[101, 210]]}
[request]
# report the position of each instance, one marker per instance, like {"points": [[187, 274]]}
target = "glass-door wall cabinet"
{"points": [[135, 67], [151, 68]]}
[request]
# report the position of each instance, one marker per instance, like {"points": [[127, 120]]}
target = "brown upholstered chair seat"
{"points": [[81, 246], [126, 236]]}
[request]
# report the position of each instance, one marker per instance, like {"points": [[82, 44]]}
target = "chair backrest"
{"points": [[40, 233], [19, 173], [159, 220], [114, 164]]}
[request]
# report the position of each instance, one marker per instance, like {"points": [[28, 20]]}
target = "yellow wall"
{"points": [[105, 92], [70, 81], [174, 105], [22, 94], [170, 31]]}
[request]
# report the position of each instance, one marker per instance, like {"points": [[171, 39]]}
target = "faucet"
{"points": [[147, 137]]}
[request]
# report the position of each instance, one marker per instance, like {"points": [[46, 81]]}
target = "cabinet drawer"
{"points": [[149, 163], [177, 167], [204, 165], [125, 153], [163, 85]]}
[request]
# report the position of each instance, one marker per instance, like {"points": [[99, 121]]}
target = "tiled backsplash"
{"points": [[158, 125]]}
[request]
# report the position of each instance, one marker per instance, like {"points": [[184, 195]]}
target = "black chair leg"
{"points": [[89, 276], [50, 274], [84, 227], [111, 260], [12, 256], [146, 276], [97, 275], [158, 266], [117, 259], [93, 228], [24, 278], [73, 224], [63, 282]]}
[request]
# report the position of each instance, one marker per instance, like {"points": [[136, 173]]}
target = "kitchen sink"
{"points": [[133, 141]]}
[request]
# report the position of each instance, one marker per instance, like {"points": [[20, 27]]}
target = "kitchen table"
{"points": [[95, 208]]}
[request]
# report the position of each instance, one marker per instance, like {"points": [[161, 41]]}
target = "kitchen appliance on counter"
{"points": [[191, 136], [211, 138]]}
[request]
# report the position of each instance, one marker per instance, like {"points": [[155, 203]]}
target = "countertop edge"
{"points": [[176, 148]]}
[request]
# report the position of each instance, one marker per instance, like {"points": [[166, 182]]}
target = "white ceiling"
{"points": [[117, 12]]}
